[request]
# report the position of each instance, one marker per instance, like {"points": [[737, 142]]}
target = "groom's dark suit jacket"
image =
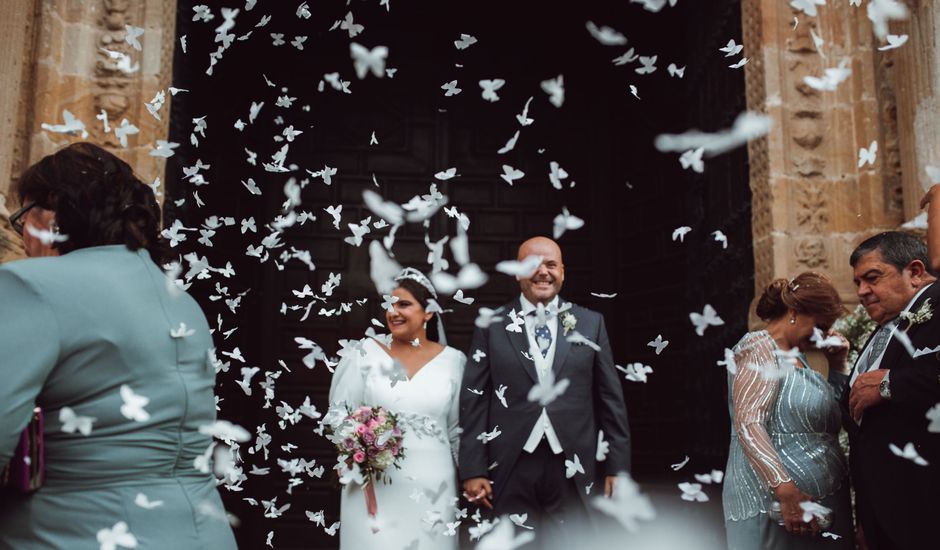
{"points": [[593, 401], [898, 494]]}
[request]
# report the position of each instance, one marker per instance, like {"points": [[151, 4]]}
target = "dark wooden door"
{"points": [[630, 196]]}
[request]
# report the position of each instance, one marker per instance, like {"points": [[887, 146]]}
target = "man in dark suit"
{"points": [[891, 391], [543, 461]]}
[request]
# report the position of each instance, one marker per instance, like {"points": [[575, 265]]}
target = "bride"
{"points": [[412, 373]]}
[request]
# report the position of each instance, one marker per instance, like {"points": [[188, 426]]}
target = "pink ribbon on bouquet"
{"points": [[372, 506]]}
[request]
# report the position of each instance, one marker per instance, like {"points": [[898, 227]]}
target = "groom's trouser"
{"points": [[537, 486]]}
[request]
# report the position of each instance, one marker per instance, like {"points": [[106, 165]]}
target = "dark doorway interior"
{"points": [[630, 196]]}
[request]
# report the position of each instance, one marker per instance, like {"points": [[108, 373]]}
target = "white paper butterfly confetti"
{"points": [[133, 407], [490, 87], [909, 452], [867, 156], [72, 422], [366, 60], [708, 317], [627, 505], [692, 492], [565, 222], [555, 88], [119, 535], [573, 466], [658, 344]]}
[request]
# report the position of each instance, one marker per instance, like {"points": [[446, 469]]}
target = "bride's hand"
{"points": [[478, 490]]}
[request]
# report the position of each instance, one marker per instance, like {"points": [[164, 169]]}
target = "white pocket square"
{"points": [[925, 351]]}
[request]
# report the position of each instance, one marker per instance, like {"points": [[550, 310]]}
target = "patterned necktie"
{"points": [[878, 344], [543, 336]]}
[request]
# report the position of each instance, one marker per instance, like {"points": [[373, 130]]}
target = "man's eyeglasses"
{"points": [[16, 220]]}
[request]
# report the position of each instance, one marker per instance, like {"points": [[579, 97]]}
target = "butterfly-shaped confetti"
{"points": [[679, 233], [366, 60], [523, 117], [546, 390], [511, 174], [145, 503], [510, 144], [868, 155], [603, 447], [486, 437], [573, 466], [658, 344], [490, 87], [894, 41], [465, 41], [117, 536], [606, 35], [450, 88], [692, 492], [721, 238], [565, 222], [522, 269], [556, 174], [133, 407], [675, 71], [708, 317], [909, 452], [715, 476], [628, 506], [72, 422], [647, 64], [555, 88]]}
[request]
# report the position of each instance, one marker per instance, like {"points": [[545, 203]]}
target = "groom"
{"points": [[525, 456]]}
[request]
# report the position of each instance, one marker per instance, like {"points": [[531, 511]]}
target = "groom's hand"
{"points": [[478, 490], [609, 483]]}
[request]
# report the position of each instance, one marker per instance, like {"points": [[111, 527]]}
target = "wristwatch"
{"points": [[884, 388]]}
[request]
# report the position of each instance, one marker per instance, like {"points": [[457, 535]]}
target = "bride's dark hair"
{"points": [[422, 295]]}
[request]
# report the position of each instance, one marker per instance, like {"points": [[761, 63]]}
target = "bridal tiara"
{"points": [[418, 277]]}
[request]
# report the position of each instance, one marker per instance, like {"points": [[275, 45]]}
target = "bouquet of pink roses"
{"points": [[370, 438]]}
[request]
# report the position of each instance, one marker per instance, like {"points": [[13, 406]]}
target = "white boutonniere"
{"points": [[568, 322], [922, 315]]}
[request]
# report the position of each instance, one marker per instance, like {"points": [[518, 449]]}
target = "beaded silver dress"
{"points": [[785, 427]]}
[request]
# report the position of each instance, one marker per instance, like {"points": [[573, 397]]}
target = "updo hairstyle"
{"points": [[809, 293]]}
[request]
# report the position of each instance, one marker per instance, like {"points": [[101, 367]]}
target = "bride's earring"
{"points": [[425, 325], [792, 320]]}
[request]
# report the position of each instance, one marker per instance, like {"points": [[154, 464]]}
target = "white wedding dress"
{"points": [[414, 510]]}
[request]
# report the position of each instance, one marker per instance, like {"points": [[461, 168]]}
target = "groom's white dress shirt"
{"points": [[543, 366]]}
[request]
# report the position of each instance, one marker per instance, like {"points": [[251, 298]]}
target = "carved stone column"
{"points": [[811, 201], [60, 50], [910, 76]]}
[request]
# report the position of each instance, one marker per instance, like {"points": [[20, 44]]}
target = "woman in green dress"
{"points": [[117, 358]]}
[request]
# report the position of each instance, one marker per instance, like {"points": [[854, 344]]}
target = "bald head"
{"points": [[539, 246], [546, 282]]}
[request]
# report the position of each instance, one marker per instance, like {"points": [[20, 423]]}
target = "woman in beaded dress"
{"points": [[414, 374], [785, 424]]}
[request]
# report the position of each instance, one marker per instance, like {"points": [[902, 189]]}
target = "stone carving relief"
{"points": [[114, 77], [811, 252], [812, 207]]}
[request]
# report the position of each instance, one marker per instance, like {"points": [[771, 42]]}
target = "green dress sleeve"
{"points": [[29, 338]]}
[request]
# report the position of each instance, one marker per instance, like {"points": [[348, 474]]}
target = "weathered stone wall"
{"points": [[55, 61], [812, 203]]}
